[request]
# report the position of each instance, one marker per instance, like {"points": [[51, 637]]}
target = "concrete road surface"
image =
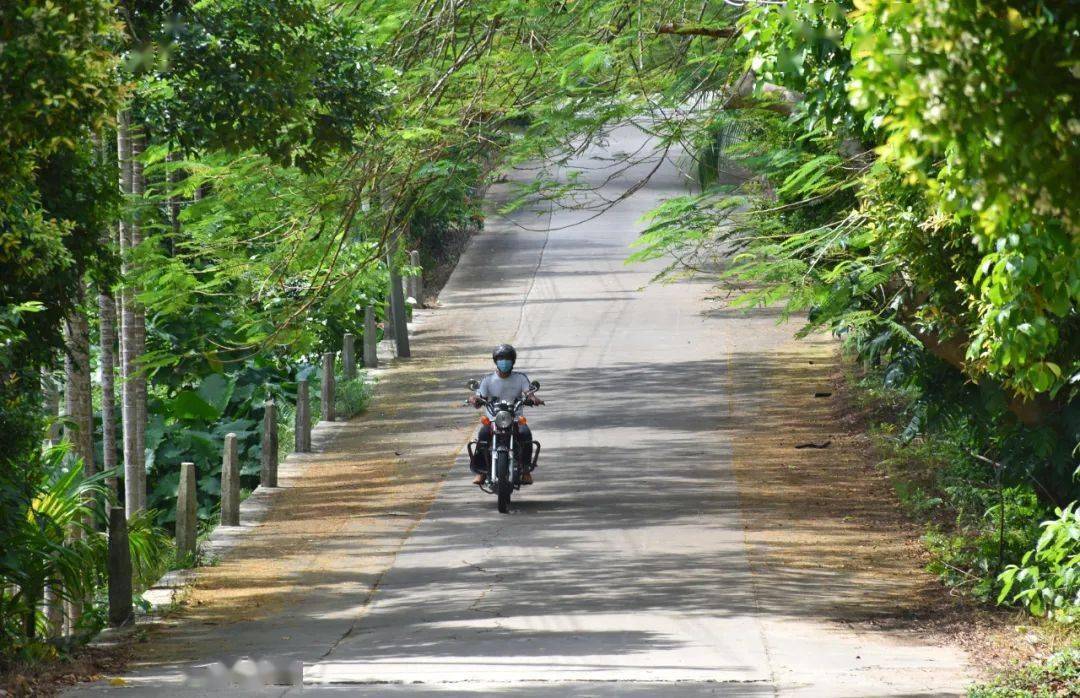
{"points": [[622, 571]]}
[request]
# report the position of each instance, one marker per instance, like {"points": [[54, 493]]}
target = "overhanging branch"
{"points": [[686, 30]]}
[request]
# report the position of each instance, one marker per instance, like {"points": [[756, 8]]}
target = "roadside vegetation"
{"points": [[203, 196], [1057, 675]]}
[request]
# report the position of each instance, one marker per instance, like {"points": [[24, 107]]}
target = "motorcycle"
{"points": [[506, 470]]}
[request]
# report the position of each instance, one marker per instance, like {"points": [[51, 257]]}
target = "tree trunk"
{"points": [[107, 347], [54, 611], [128, 391], [79, 429], [107, 358], [53, 604], [138, 190]]}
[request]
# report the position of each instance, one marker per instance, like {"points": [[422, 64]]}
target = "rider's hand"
{"points": [[474, 401], [535, 400]]}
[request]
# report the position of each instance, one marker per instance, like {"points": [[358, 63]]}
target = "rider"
{"points": [[508, 385]]}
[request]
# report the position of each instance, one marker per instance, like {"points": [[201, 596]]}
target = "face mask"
{"points": [[504, 365]]}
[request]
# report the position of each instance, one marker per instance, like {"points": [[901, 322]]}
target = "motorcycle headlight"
{"points": [[503, 419]]}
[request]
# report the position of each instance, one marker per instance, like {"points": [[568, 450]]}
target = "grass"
{"points": [[352, 396]]}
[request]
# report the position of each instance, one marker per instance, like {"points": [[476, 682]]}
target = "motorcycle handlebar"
{"points": [[484, 402]]}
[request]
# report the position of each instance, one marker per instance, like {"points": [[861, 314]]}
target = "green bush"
{"points": [[286, 429], [975, 550], [351, 397], [1047, 580]]}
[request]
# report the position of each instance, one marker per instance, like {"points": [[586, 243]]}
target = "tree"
{"points": [[50, 210]]}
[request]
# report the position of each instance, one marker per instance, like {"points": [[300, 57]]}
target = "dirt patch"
{"points": [[824, 529], [48, 679], [825, 511]]}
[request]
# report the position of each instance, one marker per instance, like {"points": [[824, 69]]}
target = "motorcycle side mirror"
{"points": [[473, 384], [535, 385]]}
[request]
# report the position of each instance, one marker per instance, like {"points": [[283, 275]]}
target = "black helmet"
{"points": [[504, 351]]}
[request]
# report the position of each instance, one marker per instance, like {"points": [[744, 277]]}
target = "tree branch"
{"points": [[715, 32]]}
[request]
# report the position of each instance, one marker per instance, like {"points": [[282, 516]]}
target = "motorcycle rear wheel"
{"points": [[502, 471]]}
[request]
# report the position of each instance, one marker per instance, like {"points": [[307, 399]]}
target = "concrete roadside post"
{"points": [[186, 512], [268, 471], [417, 279], [230, 483], [407, 282], [397, 305], [371, 340], [328, 387], [302, 425], [121, 611], [348, 356]]}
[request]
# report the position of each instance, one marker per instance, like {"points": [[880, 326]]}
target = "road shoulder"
{"points": [[829, 548]]}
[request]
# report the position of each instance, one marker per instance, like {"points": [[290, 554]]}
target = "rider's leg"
{"points": [[481, 455], [525, 450], [524, 440]]}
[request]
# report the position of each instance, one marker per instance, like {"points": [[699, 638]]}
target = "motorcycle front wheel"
{"points": [[506, 487]]}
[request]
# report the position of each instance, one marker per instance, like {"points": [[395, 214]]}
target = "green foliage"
{"points": [[54, 200], [43, 550], [271, 258], [58, 87], [1047, 580], [153, 550], [981, 514], [66, 82], [190, 424], [914, 181], [54, 541], [925, 72], [1057, 675], [800, 45], [969, 555], [351, 396], [11, 331], [288, 78]]}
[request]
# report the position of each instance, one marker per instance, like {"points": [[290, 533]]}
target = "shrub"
{"points": [[58, 545], [1047, 579], [352, 397]]}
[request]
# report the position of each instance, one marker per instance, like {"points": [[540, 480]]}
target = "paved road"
{"points": [[622, 572]]}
